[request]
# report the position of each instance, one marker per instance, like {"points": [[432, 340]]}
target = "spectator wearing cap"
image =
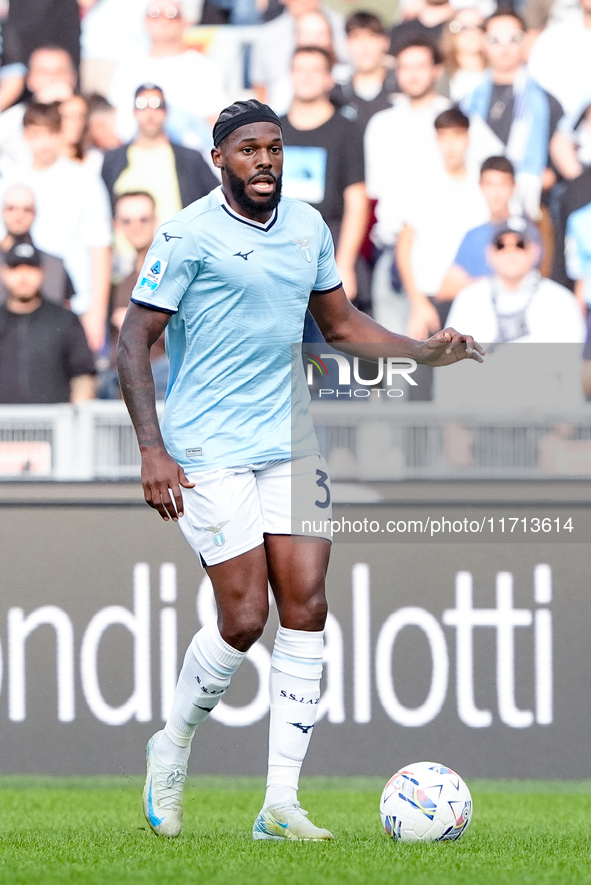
{"points": [[173, 174], [44, 356], [497, 183], [512, 305], [514, 302], [18, 214], [191, 81]]}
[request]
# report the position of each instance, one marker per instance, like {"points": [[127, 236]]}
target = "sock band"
{"points": [[299, 652], [214, 653]]}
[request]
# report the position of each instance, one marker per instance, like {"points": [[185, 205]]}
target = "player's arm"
{"points": [[161, 474], [346, 328]]}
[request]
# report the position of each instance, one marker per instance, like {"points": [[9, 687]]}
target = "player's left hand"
{"points": [[449, 346]]}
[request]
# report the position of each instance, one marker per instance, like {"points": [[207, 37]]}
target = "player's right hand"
{"points": [[161, 476]]}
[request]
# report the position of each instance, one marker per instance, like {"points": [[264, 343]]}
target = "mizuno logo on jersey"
{"points": [[242, 254], [305, 247], [169, 237]]}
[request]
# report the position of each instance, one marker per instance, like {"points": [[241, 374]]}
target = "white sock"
{"points": [[294, 689], [205, 676]]}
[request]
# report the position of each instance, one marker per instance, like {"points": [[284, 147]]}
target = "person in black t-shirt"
{"points": [[428, 25], [35, 23], [44, 356], [323, 159], [373, 83]]}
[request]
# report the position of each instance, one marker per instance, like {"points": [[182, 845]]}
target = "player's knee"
{"points": [[244, 632], [316, 611], [306, 615]]}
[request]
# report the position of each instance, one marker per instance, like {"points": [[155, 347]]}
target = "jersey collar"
{"points": [[249, 222]]}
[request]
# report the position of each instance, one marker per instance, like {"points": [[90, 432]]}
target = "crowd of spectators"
{"points": [[448, 149]]}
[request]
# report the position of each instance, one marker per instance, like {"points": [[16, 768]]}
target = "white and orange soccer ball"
{"points": [[425, 802]]}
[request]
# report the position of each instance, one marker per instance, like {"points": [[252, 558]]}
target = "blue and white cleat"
{"points": [[163, 794], [287, 822]]}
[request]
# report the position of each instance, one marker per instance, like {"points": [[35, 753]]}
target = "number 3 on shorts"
{"points": [[321, 482]]}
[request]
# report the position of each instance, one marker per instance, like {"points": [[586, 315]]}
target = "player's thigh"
{"points": [[240, 587], [223, 525], [297, 570], [222, 514], [297, 512], [296, 498]]}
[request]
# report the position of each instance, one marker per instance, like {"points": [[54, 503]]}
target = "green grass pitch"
{"points": [[91, 830]]}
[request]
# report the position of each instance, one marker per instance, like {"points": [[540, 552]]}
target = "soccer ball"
{"points": [[425, 802]]}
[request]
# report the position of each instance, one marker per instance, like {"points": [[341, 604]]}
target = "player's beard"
{"points": [[255, 208]]}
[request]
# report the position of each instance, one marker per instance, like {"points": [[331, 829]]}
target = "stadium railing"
{"points": [[362, 442]]}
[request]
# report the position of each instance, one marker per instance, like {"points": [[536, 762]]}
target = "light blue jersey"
{"points": [[238, 292], [578, 248]]}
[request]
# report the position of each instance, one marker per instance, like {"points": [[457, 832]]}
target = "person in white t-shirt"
{"points": [[515, 303], [73, 218], [191, 82], [439, 211], [560, 59], [51, 77], [400, 141]]}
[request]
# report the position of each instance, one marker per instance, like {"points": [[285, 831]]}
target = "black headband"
{"points": [[256, 115]]}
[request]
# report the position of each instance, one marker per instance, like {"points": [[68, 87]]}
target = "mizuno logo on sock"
{"points": [[207, 709], [304, 728]]}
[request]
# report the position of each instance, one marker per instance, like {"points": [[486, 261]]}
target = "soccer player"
{"points": [[230, 277]]}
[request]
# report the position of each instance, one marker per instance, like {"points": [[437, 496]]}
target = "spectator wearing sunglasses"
{"points": [[514, 303], [191, 82], [512, 115], [173, 174]]}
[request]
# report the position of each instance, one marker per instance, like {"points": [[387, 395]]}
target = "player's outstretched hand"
{"points": [[448, 346], [161, 475]]}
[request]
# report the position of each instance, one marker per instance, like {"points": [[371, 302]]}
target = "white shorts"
{"points": [[230, 509]]}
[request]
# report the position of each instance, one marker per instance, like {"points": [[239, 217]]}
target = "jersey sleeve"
{"points": [[327, 275], [170, 266]]}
